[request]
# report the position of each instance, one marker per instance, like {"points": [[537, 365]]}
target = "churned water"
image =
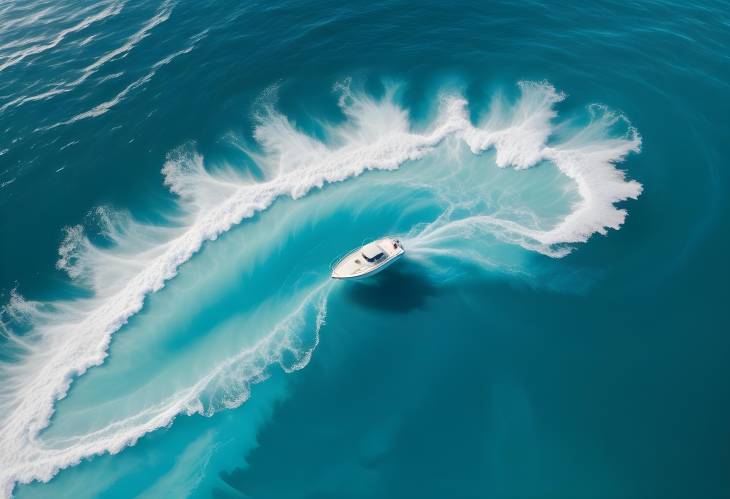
{"points": [[177, 178]]}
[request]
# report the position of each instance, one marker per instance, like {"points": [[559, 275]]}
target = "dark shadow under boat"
{"points": [[398, 289]]}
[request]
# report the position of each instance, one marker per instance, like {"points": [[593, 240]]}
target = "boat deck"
{"points": [[355, 264]]}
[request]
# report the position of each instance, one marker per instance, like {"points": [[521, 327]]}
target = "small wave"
{"points": [[19, 56], [20, 43], [69, 144], [111, 76], [161, 15], [102, 108], [87, 40], [27, 20]]}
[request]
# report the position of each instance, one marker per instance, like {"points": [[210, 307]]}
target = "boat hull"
{"points": [[357, 264], [369, 273]]}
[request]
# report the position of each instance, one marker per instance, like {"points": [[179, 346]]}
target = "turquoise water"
{"points": [[177, 178]]}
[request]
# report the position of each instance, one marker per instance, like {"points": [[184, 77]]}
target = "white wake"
{"points": [[64, 339]]}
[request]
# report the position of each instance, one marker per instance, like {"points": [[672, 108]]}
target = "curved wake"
{"points": [[64, 339]]}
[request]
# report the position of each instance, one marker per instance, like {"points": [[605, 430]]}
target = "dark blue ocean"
{"points": [[177, 179]]}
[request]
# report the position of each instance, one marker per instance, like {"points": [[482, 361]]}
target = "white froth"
{"points": [[68, 338]]}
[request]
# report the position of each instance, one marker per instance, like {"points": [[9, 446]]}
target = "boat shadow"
{"points": [[401, 288]]}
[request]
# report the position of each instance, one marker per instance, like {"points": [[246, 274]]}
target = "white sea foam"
{"points": [[69, 337], [227, 385], [519, 137]]}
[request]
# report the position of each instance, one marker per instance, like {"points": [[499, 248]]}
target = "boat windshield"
{"points": [[372, 252]]}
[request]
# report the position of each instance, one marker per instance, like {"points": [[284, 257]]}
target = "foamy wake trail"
{"points": [[61, 340]]}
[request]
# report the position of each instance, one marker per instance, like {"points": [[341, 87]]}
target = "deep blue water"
{"points": [[177, 178]]}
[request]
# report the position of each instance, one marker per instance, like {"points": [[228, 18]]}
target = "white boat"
{"points": [[369, 259]]}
